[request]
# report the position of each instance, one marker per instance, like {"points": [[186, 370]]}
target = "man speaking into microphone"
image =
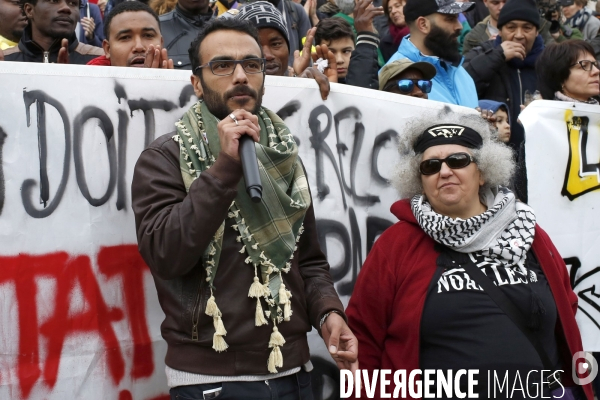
{"points": [[240, 282]]}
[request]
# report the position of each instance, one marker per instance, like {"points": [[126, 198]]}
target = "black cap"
{"points": [[520, 10], [448, 134], [414, 9]]}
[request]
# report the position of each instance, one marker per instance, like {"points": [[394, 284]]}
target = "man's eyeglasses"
{"points": [[586, 65], [226, 67], [454, 161], [407, 85]]}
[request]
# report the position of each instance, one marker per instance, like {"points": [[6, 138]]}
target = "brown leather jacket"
{"points": [[173, 230]]}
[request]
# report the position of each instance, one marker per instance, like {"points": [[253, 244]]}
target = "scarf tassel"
{"points": [[211, 307], [256, 289], [283, 296], [259, 317], [275, 360], [287, 311]]}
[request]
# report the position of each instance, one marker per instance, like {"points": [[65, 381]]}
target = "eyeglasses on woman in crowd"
{"points": [[586, 65]]}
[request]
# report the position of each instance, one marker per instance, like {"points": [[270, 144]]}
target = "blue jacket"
{"points": [[451, 84]]}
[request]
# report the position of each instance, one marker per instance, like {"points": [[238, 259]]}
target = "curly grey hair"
{"points": [[494, 159]]}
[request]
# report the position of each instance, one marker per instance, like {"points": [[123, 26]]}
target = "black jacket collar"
{"points": [[32, 49]]}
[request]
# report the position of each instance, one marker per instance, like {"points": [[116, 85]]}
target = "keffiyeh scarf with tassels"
{"points": [[268, 230], [504, 233]]}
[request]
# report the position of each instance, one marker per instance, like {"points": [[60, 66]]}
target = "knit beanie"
{"points": [[521, 10], [263, 14]]}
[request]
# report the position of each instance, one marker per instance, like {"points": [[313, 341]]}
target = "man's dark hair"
{"points": [[553, 66], [220, 24], [332, 29], [126, 6]]}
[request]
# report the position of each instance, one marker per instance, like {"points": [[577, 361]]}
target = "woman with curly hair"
{"points": [[427, 296]]}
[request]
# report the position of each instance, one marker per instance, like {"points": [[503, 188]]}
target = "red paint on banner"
{"points": [[96, 318], [111, 262], [125, 395]]}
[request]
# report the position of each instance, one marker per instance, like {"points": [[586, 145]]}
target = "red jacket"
{"points": [[101, 61], [385, 309]]}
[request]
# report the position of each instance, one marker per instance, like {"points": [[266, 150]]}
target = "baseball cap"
{"points": [[394, 68], [414, 9]]}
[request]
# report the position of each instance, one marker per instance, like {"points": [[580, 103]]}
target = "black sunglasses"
{"points": [[454, 161]]}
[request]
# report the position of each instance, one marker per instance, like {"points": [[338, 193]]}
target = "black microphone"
{"points": [[250, 168]]}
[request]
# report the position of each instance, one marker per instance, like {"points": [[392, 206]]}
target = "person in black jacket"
{"points": [[504, 68], [50, 34], [181, 26]]}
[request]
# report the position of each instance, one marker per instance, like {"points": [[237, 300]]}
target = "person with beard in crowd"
{"points": [[133, 38], [50, 34], [249, 279], [275, 43], [434, 32], [12, 23], [181, 26], [504, 68]]}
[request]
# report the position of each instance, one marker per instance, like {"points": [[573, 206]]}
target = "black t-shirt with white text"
{"points": [[463, 328]]}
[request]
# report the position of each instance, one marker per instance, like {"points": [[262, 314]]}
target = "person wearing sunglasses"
{"points": [[421, 301], [407, 78], [568, 71], [241, 283]]}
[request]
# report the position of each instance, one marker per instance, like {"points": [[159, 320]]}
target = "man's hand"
{"points": [[157, 58], [301, 62], [322, 51], [322, 81], [63, 53], [513, 50], [364, 12], [230, 131], [1, 55], [340, 342], [89, 26]]}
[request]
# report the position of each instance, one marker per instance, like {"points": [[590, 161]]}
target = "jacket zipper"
{"points": [[46, 55], [196, 311], [520, 87]]}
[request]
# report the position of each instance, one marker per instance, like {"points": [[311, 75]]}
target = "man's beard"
{"points": [[217, 103], [442, 44]]}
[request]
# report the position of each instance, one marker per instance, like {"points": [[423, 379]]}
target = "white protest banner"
{"points": [[79, 316], [563, 161]]}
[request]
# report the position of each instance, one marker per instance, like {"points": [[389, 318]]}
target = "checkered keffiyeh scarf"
{"points": [[504, 233], [269, 230]]}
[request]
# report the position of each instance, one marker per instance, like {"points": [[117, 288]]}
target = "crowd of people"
{"points": [[463, 177]]}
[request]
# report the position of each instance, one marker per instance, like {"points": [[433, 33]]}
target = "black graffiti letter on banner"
{"points": [[106, 125], [148, 107], [41, 99], [317, 141], [380, 141]]}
